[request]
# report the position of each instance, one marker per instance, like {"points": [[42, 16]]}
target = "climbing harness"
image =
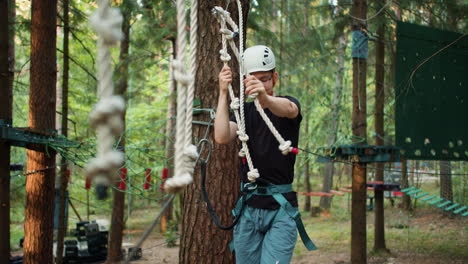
{"points": [[247, 190], [107, 115], [185, 152]]}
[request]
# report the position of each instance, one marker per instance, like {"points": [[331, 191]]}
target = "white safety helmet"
{"points": [[258, 58]]}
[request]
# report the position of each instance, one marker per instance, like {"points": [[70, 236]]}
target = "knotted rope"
{"points": [[185, 152], [107, 115], [237, 104]]}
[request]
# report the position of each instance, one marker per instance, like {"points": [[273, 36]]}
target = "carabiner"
{"points": [[201, 147]]}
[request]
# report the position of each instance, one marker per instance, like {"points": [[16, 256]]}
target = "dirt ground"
{"points": [[155, 250]]}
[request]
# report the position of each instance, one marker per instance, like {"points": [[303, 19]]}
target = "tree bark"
{"points": [[359, 128], [201, 241], [62, 222], [114, 254], [379, 223], [38, 227], [6, 87]]}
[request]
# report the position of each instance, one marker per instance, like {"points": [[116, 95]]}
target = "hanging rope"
{"points": [[107, 115], [185, 152], [237, 104]]}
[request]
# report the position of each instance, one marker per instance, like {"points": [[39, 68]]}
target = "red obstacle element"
{"points": [[164, 176], [87, 183], [146, 185], [164, 173], [295, 151], [345, 190], [320, 194], [123, 176], [337, 192]]}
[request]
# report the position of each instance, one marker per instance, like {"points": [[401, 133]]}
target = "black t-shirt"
{"points": [[273, 166]]}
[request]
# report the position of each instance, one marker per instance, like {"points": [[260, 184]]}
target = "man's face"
{"points": [[268, 78]]}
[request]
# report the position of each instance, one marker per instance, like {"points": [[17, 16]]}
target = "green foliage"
{"points": [[171, 234], [303, 35]]}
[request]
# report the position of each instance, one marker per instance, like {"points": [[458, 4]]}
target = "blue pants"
{"points": [[264, 236]]}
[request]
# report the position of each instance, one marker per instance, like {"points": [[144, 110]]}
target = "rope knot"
{"points": [[180, 74], [253, 175], [108, 111], [107, 22], [242, 136], [191, 152], [225, 57], [235, 104], [285, 147], [242, 152], [176, 183], [106, 165]]}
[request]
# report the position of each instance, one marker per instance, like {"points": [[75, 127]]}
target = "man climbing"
{"points": [[266, 231]]}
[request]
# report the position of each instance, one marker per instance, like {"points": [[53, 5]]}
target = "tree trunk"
{"points": [[307, 204], [6, 87], [405, 184], [201, 241], [379, 224], [38, 227], [62, 222], [446, 190], [169, 144], [359, 127], [114, 253]]}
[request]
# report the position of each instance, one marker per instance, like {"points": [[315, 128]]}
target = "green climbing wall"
{"points": [[431, 93]]}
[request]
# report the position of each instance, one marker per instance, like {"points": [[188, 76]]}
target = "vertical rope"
{"points": [[185, 153], [193, 70], [107, 115]]}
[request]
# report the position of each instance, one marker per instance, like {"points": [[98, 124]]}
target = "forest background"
{"points": [[312, 43]]}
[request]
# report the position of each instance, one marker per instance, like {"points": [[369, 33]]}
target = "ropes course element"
{"points": [[436, 201], [106, 117], [185, 152], [237, 104]]}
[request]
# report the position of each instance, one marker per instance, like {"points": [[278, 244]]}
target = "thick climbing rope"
{"points": [[237, 104], [185, 152], [107, 115]]}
